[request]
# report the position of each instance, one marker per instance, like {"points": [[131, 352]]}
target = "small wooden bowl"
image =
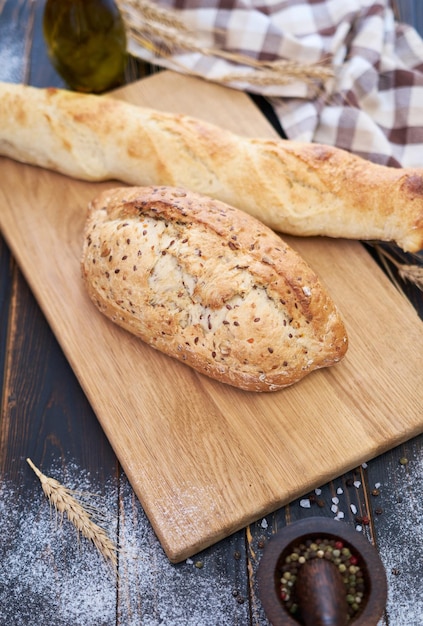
{"points": [[374, 600]]}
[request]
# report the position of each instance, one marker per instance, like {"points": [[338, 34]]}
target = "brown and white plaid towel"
{"points": [[374, 104]]}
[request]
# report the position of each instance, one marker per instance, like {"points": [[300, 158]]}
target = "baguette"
{"points": [[294, 188], [209, 285]]}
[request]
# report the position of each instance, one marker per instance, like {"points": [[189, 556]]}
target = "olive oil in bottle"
{"points": [[86, 42]]}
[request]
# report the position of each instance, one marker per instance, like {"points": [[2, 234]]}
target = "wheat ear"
{"points": [[163, 32], [64, 503], [412, 273]]}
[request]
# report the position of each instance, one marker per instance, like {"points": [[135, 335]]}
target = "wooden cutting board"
{"points": [[206, 459]]}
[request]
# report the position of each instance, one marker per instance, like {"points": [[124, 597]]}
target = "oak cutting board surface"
{"points": [[206, 459]]}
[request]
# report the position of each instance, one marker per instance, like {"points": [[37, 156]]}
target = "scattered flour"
{"points": [[398, 534], [47, 574], [50, 576], [153, 591], [401, 546]]}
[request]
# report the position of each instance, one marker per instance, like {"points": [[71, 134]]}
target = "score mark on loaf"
{"points": [[294, 188], [209, 285]]}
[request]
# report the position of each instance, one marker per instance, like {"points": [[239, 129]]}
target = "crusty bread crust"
{"points": [[209, 285], [294, 188]]}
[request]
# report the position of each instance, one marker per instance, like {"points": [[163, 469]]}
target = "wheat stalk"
{"points": [[412, 273], [163, 32], [64, 502]]}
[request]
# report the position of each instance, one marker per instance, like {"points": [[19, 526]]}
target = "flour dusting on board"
{"points": [[50, 576]]}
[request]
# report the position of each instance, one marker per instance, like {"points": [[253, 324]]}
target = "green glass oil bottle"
{"points": [[86, 42]]}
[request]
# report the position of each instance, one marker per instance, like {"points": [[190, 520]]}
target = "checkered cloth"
{"points": [[374, 104]]}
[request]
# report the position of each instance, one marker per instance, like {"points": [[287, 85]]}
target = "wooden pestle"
{"points": [[321, 594], [319, 587]]}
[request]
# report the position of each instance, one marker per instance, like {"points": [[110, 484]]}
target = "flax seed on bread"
{"points": [[209, 285]]}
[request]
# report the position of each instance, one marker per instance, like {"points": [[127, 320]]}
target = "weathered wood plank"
{"points": [[397, 477], [46, 417], [6, 271]]}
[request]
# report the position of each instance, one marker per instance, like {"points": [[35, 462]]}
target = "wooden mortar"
{"points": [[319, 586]]}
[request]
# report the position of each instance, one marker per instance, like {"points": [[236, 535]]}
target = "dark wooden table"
{"points": [[50, 576]]}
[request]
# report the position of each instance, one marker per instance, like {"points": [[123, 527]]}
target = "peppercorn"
{"points": [[335, 551]]}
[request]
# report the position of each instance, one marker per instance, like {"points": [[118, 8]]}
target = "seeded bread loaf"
{"points": [[295, 188], [209, 285]]}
